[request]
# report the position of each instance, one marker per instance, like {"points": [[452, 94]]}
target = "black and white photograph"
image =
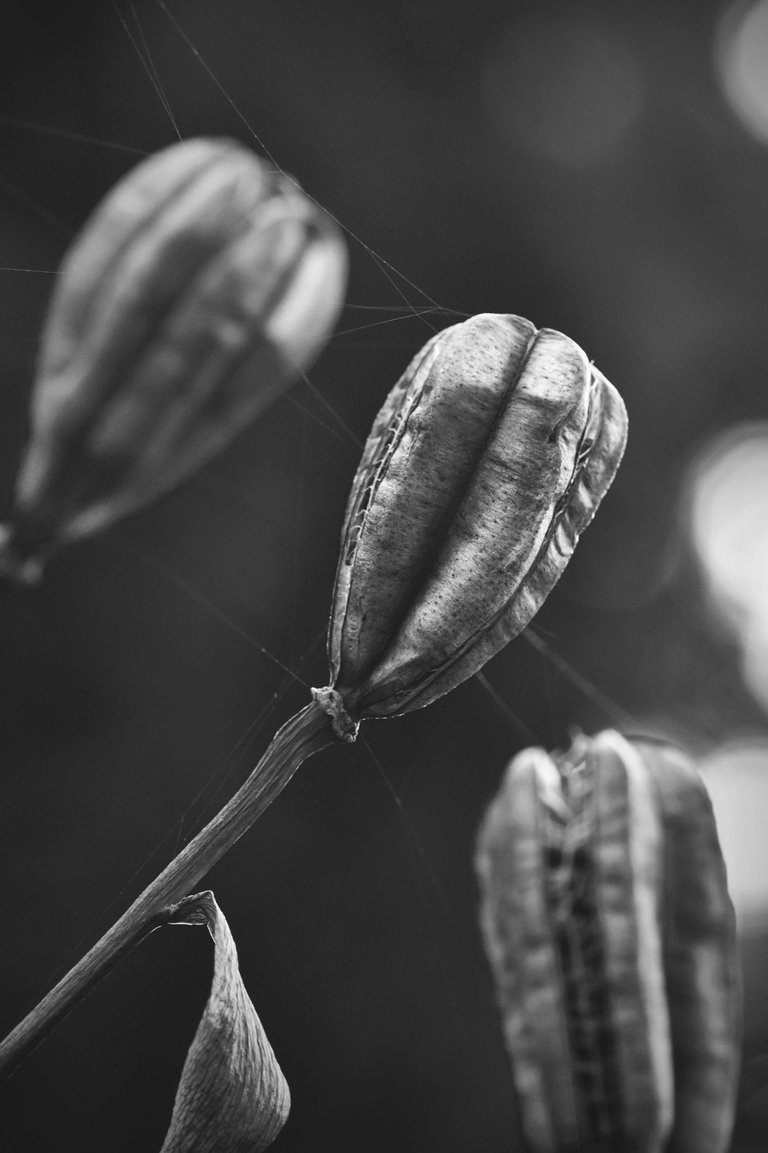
{"points": [[384, 576]]}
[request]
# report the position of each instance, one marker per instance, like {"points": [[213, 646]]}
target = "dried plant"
{"points": [[612, 938], [201, 289]]}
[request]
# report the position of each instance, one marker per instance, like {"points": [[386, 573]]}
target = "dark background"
{"points": [[575, 163]]}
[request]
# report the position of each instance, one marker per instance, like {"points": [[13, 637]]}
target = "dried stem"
{"points": [[306, 733]]}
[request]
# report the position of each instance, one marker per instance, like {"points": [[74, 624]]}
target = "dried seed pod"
{"points": [[198, 291], [611, 936], [701, 960], [486, 462]]}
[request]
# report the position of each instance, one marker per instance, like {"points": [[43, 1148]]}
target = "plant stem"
{"points": [[306, 733]]}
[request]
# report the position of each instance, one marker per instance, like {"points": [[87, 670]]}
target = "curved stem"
{"points": [[306, 733]]}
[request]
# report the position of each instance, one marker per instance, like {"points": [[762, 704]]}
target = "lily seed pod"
{"points": [[485, 464], [612, 940], [197, 293], [701, 958]]}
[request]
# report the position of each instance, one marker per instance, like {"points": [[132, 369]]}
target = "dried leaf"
{"points": [[232, 1096]]}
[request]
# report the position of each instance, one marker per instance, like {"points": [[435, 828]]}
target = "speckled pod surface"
{"points": [[197, 292], [611, 937], [486, 462]]}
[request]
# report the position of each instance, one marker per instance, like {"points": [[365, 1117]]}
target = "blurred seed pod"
{"points": [[701, 959], [612, 941], [195, 295], [485, 464]]}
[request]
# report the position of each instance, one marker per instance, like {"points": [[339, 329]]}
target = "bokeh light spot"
{"points": [[742, 60], [727, 507], [568, 88], [736, 775]]}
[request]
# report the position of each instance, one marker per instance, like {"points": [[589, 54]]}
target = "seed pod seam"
{"points": [[387, 431], [635, 973]]}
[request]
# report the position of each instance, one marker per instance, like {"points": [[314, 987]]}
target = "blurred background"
{"points": [[601, 168]]}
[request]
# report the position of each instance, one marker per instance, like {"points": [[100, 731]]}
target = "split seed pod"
{"points": [[486, 462], [196, 294], [612, 940]]}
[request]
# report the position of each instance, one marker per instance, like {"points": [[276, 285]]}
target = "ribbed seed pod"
{"points": [[486, 462], [198, 291], [611, 937], [701, 959]]}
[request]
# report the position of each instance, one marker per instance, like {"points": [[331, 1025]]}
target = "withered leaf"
{"points": [[232, 1096]]}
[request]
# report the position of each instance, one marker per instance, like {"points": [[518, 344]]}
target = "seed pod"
{"points": [[611, 937], [701, 960], [486, 462], [198, 291]]}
